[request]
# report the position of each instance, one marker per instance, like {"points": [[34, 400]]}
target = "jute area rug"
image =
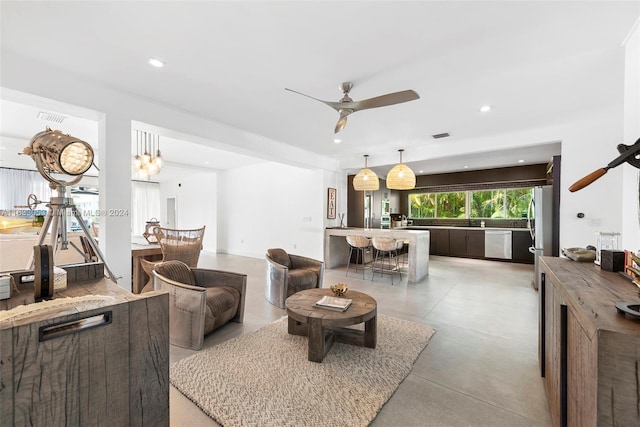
{"points": [[263, 378]]}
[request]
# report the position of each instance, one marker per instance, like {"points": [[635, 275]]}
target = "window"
{"points": [[511, 203], [518, 200], [451, 205], [422, 205], [145, 204], [487, 204]]}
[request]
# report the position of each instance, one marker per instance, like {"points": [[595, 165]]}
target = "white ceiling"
{"points": [[537, 63]]}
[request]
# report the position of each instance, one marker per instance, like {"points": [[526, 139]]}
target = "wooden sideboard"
{"points": [[589, 354], [102, 363]]}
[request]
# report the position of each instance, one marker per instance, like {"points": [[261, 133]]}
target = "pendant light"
{"points": [[150, 161], [366, 179], [401, 177]]}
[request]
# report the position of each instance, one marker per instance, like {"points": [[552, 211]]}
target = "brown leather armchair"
{"points": [[288, 274], [200, 300]]}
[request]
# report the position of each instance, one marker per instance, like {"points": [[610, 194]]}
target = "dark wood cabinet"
{"points": [[520, 243], [475, 243], [466, 243], [458, 242], [470, 243], [439, 241], [588, 352]]}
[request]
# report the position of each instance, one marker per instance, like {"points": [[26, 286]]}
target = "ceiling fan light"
{"points": [[341, 124], [401, 177]]}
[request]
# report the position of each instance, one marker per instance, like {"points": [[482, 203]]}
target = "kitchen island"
{"points": [[336, 248]]}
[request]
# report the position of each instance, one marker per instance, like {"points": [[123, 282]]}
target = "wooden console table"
{"points": [[589, 353], [87, 363]]}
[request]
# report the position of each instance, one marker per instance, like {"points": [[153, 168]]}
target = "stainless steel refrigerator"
{"points": [[540, 223]]}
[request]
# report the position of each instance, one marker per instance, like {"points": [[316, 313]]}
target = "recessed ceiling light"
{"points": [[466, 167], [156, 62], [206, 163], [521, 161], [420, 171], [337, 141], [485, 108]]}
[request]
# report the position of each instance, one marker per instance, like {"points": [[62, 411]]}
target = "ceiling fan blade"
{"points": [[342, 122], [383, 100], [335, 105]]}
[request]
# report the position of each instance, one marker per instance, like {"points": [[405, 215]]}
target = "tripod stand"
{"points": [[57, 218]]}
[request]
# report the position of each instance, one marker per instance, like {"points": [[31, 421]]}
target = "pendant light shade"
{"points": [[401, 177], [366, 179]]}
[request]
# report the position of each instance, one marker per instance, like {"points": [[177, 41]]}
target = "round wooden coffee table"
{"points": [[323, 326]]}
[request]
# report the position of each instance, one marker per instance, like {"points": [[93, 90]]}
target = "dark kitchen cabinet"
{"points": [[466, 243], [520, 243], [438, 241]]}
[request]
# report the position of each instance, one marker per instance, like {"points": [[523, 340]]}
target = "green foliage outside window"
{"points": [[506, 203], [487, 204], [451, 205], [422, 205], [518, 200]]}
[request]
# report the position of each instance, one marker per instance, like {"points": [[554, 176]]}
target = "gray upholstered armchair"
{"points": [[288, 274], [200, 300]]}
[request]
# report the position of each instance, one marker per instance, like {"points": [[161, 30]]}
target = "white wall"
{"points": [[588, 146], [339, 182], [272, 205], [631, 185], [196, 197]]}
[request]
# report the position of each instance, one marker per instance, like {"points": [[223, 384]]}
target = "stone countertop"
{"points": [[370, 232], [426, 227]]}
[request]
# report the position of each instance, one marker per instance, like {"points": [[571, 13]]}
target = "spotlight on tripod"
{"points": [[55, 152]]}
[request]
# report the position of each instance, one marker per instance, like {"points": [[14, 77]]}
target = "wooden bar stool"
{"points": [[388, 248], [360, 244]]}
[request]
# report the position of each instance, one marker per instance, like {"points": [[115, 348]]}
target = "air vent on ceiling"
{"points": [[440, 135], [51, 117]]}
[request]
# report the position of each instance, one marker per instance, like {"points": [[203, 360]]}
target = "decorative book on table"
{"points": [[334, 303]]}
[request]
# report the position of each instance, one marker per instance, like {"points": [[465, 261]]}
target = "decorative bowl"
{"points": [[339, 289]]}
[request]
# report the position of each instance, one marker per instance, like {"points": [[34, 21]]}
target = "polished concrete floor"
{"points": [[479, 369]]}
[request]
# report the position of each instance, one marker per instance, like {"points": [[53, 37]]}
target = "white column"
{"points": [[631, 175], [115, 195]]}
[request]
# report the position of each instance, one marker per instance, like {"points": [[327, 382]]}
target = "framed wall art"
{"points": [[331, 203]]}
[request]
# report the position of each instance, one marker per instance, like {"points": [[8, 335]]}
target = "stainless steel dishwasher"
{"points": [[497, 244]]}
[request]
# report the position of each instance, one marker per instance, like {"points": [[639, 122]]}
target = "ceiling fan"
{"points": [[347, 106]]}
